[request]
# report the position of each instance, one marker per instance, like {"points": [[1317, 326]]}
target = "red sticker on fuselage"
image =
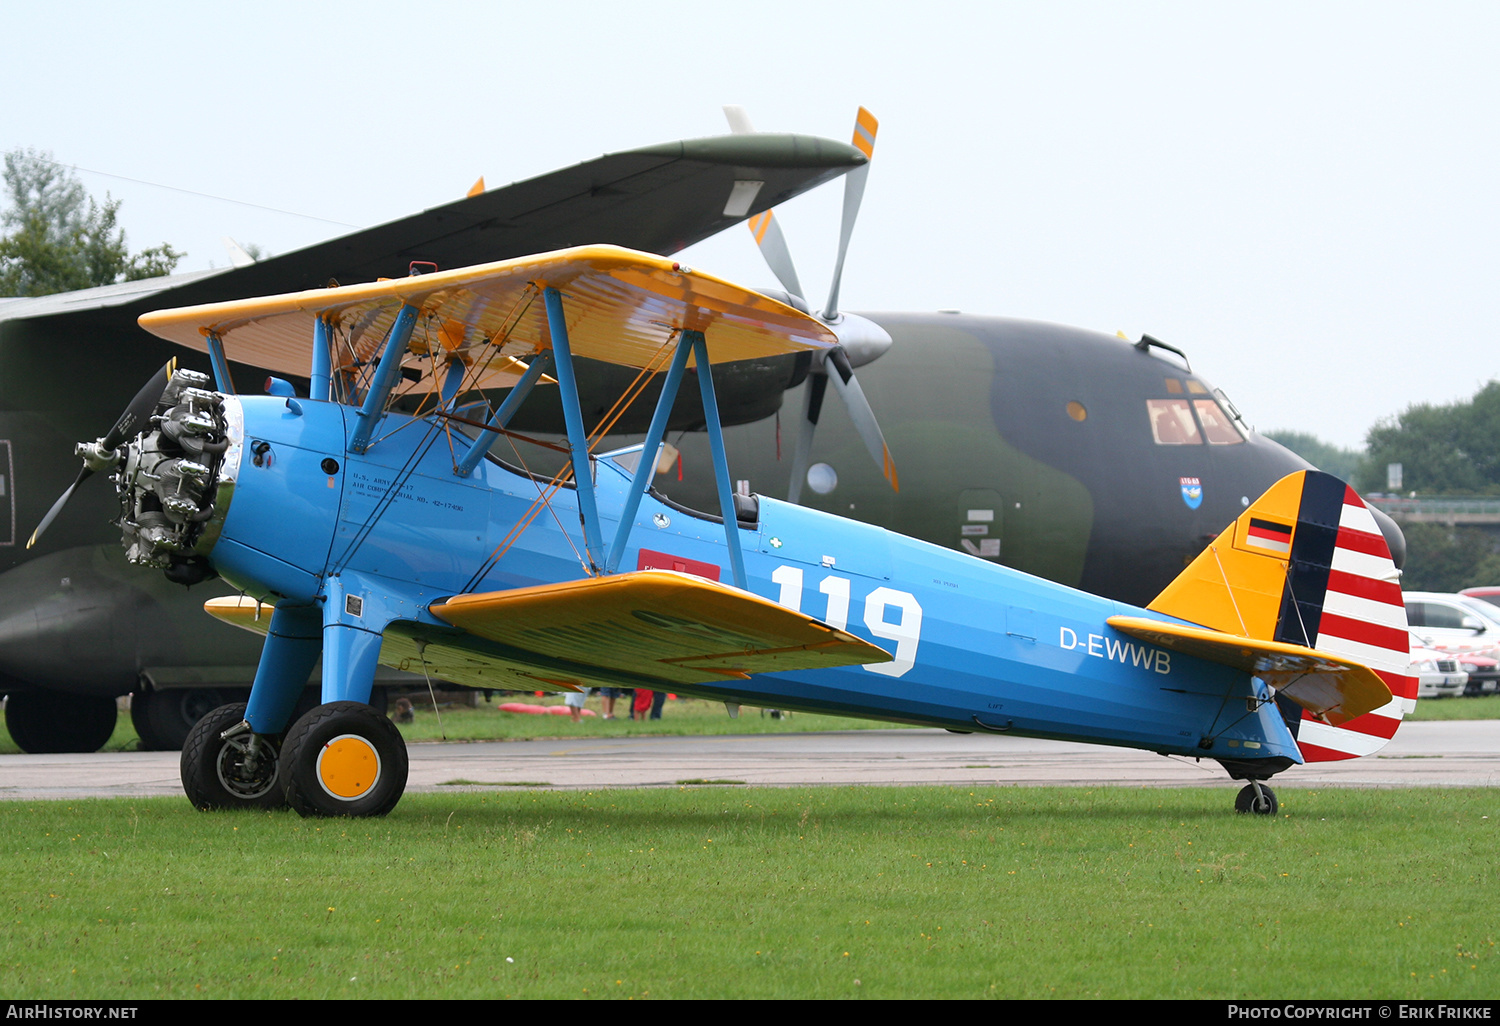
{"points": [[652, 560]]}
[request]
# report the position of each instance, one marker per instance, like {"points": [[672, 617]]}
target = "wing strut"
{"points": [[321, 375], [386, 373], [688, 343], [539, 366], [578, 442], [721, 461], [220, 362]]}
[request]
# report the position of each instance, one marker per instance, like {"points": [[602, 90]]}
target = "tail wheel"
{"points": [[344, 759], [1256, 798], [239, 772]]}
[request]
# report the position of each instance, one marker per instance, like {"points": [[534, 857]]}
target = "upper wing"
{"points": [[659, 199], [622, 307], [650, 628]]}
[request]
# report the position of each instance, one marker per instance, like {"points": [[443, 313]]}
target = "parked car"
{"points": [[1489, 595], [1458, 624], [1483, 671], [1437, 673]]}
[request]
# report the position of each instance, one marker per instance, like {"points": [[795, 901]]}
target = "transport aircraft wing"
{"points": [[659, 199]]}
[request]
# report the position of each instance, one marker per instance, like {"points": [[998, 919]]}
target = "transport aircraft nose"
{"points": [[1394, 539]]}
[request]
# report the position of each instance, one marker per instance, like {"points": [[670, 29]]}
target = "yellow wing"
{"points": [[621, 306], [1336, 688], [658, 623], [650, 627]]}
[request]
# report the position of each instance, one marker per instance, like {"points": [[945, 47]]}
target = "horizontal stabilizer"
{"points": [[659, 624], [1306, 565], [1328, 686]]}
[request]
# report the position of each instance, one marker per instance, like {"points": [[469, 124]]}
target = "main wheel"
{"points": [[49, 722], [344, 759], [241, 772], [1262, 803]]}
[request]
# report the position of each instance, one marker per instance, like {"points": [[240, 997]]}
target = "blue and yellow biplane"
{"points": [[365, 536]]}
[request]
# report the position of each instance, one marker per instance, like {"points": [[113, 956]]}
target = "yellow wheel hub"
{"points": [[348, 767]]}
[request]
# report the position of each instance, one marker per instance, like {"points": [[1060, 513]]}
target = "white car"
{"points": [[1437, 673], [1453, 623]]}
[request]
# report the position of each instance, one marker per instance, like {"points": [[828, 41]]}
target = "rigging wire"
{"points": [[648, 371]]}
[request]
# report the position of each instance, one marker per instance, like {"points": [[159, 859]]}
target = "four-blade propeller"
{"points": [[862, 340]]}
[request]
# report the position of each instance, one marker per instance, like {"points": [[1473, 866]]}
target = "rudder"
{"points": [[1307, 564]]}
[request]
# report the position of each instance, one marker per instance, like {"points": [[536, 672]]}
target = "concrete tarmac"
{"points": [[1421, 755]]}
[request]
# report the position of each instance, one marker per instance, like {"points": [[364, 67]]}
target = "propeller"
{"points": [[102, 454], [860, 340]]}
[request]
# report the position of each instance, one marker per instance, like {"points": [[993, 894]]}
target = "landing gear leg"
{"points": [[345, 758], [1257, 798], [234, 772]]}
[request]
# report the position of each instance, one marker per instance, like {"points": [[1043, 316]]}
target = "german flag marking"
{"points": [[1269, 536]]}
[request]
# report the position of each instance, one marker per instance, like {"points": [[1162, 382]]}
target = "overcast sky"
{"points": [[1301, 196]]}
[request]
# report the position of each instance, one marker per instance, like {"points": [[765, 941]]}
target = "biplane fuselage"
{"points": [[379, 537], [976, 646]]}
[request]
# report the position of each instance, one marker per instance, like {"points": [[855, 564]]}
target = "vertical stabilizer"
{"points": [[1307, 564]]}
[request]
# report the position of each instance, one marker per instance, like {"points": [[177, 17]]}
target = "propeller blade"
{"points": [[812, 406], [739, 119], [130, 424], [763, 226], [84, 474], [772, 243], [865, 127], [134, 419], [841, 375]]}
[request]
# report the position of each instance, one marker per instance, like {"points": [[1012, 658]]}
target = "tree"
{"points": [[1441, 449], [58, 238], [1343, 464]]}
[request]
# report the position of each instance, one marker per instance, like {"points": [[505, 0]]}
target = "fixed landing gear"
{"points": [[340, 759], [344, 759], [1257, 798], [235, 772], [51, 722]]}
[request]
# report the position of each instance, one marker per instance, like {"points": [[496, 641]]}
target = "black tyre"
{"points": [[240, 773], [164, 718], [344, 759], [1263, 804], [49, 722]]}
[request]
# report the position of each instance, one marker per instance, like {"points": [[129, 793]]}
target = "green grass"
{"points": [[760, 892], [1485, 707]]}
